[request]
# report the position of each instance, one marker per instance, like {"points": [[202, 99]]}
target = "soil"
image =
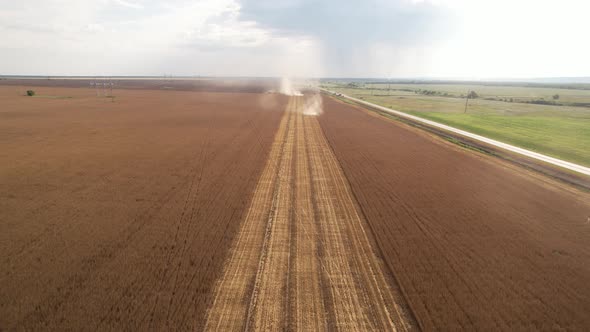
{"points": [[119, 215], [474, 242]]}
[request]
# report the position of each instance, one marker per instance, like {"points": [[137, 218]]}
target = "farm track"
{"points": [[302, 259]]}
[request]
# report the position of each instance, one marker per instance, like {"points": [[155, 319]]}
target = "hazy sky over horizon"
{"points": [[331, 38]]}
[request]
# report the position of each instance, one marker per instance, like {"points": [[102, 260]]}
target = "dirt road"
{"points": [[302, 259], [515, 149]]}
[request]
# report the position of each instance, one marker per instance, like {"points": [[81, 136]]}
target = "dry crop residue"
{"points": [[302, 259]]}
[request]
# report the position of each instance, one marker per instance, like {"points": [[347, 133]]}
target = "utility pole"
{"points": [[466, 101]]}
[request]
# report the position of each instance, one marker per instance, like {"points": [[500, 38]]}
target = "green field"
{"points": [[561, 131]]}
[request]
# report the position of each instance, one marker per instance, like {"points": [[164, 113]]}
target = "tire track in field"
{"points": [[378, 296], [234, 291], [309, 309], [302, 259], [269, 298]]}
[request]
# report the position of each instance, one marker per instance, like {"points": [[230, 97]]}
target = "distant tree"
{"points": [[511, 100], [555, 96], [30, 93], [472, 95]]}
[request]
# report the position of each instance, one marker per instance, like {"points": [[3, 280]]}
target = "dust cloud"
{"points": [[312, 101], [287, 88], [313, 104]]}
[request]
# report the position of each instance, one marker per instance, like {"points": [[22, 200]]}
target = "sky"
{"points": [[468, 39]]}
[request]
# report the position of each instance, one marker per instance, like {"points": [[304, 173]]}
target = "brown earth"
{"points": [[474, 243], [118, 216], [303, 259]]}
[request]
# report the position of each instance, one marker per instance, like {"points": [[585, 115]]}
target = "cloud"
{"points": [[372, 38], [350, 33], [207, 37], [436, 38], [129, 4]]}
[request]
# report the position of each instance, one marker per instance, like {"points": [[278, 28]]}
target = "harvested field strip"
{"points": [[310, 307], [474, 242], [302, 259], [230, 307], [379, 289]]}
